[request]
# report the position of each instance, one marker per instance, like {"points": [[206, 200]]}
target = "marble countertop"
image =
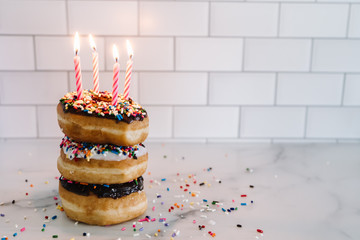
{"points": [[300, 191]]}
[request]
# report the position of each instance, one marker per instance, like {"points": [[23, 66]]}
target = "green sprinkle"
{"points": [[55, 236]]}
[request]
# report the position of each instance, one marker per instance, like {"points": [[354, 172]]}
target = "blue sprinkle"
{"points": [[3, 238], [84, 234], [166, 224], [54, 217], [44, 225], [119, 117], [163, 179], [106, 185], [161, 220], [162, 203], [229, 210], [243, 204], [3, 215], [15, 234], [173, 235], [223, 209], [158, 196], [205, 200], [168, 189], [252, 201], [232, 209], [142, 228]]}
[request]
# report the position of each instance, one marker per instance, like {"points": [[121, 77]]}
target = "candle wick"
{"points": [[76, 52]]}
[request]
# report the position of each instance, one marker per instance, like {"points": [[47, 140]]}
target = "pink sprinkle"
{"points": [[23, 229], [55, 198], [194, 221], [142, 220], [153, 220], [134, 225], [56, 178], [233, 200], [70, 181], [151, 181], [123, 229], [153, 208]]}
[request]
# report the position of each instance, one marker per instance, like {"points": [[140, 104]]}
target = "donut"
{"points": [[102, 164], [102, 204], [94, 119]]}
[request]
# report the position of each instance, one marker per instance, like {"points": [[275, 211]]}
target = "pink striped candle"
{"points": [[95, 63], [129, 66], [78, 77], [115, 88]]}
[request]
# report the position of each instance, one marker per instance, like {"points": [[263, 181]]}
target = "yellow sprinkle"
{"points": [[209, 185], [150, 186], [186, 180], [155, 234], [191, 203], [46, 182]]}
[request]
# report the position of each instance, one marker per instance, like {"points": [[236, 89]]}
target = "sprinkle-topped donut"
{"points": [[99, 105]]}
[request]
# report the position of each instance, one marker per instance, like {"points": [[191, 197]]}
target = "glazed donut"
{"points": [[94, 119], [98, 208], [103, 164]]}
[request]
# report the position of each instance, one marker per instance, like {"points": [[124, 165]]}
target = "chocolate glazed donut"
{"points": [[89, 128]]}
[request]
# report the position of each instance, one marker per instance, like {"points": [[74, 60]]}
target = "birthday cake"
{"points": [[102, 159]]}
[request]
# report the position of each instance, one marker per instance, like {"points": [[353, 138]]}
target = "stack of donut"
{"points": [[102, 158]]}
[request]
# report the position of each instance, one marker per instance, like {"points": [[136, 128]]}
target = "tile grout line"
{"points": [[138, 17], [239, 124], [311, 54], [278, 23], [68, 81], [348, 21], [138, 90], [243, 55], [37, 121], [306, 121], [183, 71], [173, 122], [105, 55], [209, 19], [343, 90], [67, 17], [35, 59], [174, 54], [208, 89], [276, 88]]}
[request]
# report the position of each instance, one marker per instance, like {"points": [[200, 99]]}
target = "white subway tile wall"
{"points": [[205, 70]]}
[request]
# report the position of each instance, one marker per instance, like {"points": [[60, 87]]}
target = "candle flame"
{"points": [[115, 53], [92, 42], [77, 43], [129, 49]]}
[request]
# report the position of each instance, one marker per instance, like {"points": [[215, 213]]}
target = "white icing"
{"points": [[106, 156]]}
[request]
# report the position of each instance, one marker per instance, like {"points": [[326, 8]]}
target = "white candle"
{"points": [[129, 66], [95, 63]]}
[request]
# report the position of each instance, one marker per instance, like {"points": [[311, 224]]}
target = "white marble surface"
{"points": [[301, 191]]}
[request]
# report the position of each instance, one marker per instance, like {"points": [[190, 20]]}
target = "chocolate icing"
{"points": [[104, 191], [126, 119]]}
